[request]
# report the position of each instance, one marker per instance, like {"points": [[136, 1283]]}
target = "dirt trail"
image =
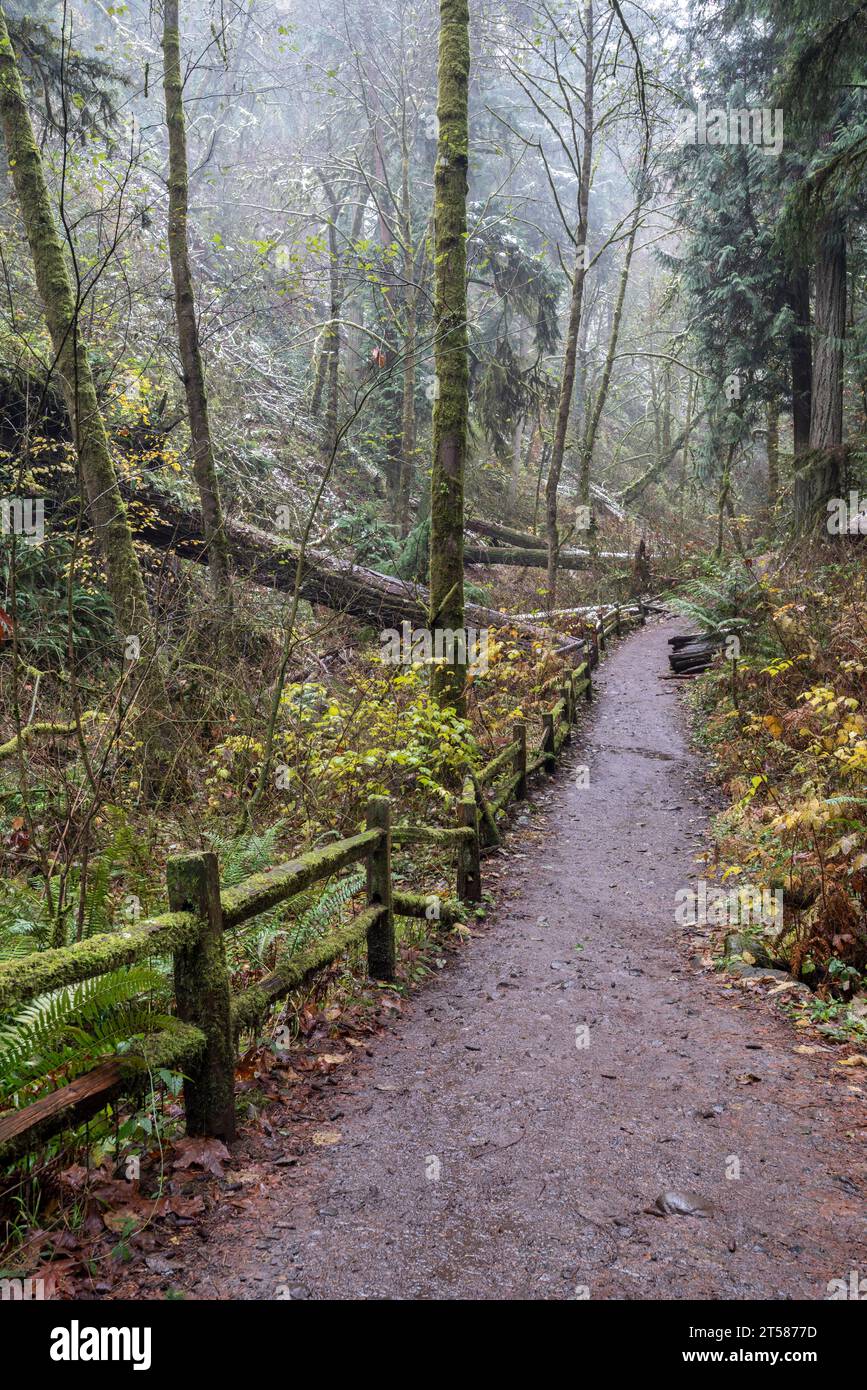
{"points": [[486, 1156]]}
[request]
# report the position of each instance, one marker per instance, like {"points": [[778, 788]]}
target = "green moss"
{"points": [[24, 979], [265, 890]]}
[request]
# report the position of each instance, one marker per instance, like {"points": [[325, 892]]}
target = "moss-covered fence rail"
{"points": [[201, 1039]]}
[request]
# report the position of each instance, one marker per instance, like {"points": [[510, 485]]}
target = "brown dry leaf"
{"points": [[857, 1059], [327, 1136], [747, 1078], [204, 1153], [179, 1205], [334, 1058]]}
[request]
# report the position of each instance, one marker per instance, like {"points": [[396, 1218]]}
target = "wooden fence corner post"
{"points": [[202, 995], [642, 616], [617, 626], [469, 860], [600, 636], [520, 737], [380, 937]]}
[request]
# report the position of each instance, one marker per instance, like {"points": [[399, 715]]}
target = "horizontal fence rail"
{"points": [[202, 1038]]}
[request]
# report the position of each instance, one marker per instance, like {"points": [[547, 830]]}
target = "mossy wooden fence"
{"points": [[201, 1037]]}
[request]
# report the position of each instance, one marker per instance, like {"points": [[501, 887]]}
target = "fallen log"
{"points": [[503, 535], [382, 600], [513, 555]]}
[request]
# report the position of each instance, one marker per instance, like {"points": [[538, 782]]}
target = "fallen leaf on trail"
{"points": [[803, 1048], [334, 1058], [327, 1136], [204, 1153], [857, 1059], [747, 1078]]}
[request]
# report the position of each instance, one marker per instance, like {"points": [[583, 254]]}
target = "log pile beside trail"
{"points": [[693, 652]]}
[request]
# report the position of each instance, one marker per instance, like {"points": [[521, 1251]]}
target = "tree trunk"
{"points": [[410, 313], [567, 380], [826, 421], [450, 345], [592, 420], [57, 293], [332, 370], [801, 360], [773, 451], [408, 447], [515, 475], [185, 313]]}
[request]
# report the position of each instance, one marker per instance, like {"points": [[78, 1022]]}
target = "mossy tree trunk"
{"points": [[185, 313], [408, 423], [570, 353], [61, 305], [451, 405]]}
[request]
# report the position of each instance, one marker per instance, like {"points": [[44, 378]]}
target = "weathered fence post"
{"points": [[600, 636], [380, 937], [550, 760], [469, 861], [617, 627], [519, 732], [202, 995], [566, 691], [642, 615]]}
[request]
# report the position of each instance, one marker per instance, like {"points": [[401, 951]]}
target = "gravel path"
{"points": [[485, 1154]]}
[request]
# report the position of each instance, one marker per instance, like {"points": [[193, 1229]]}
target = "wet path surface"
{"points": [[485, 1154]]}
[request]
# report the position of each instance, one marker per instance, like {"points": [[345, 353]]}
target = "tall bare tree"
{"points": [[185, 312]]}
